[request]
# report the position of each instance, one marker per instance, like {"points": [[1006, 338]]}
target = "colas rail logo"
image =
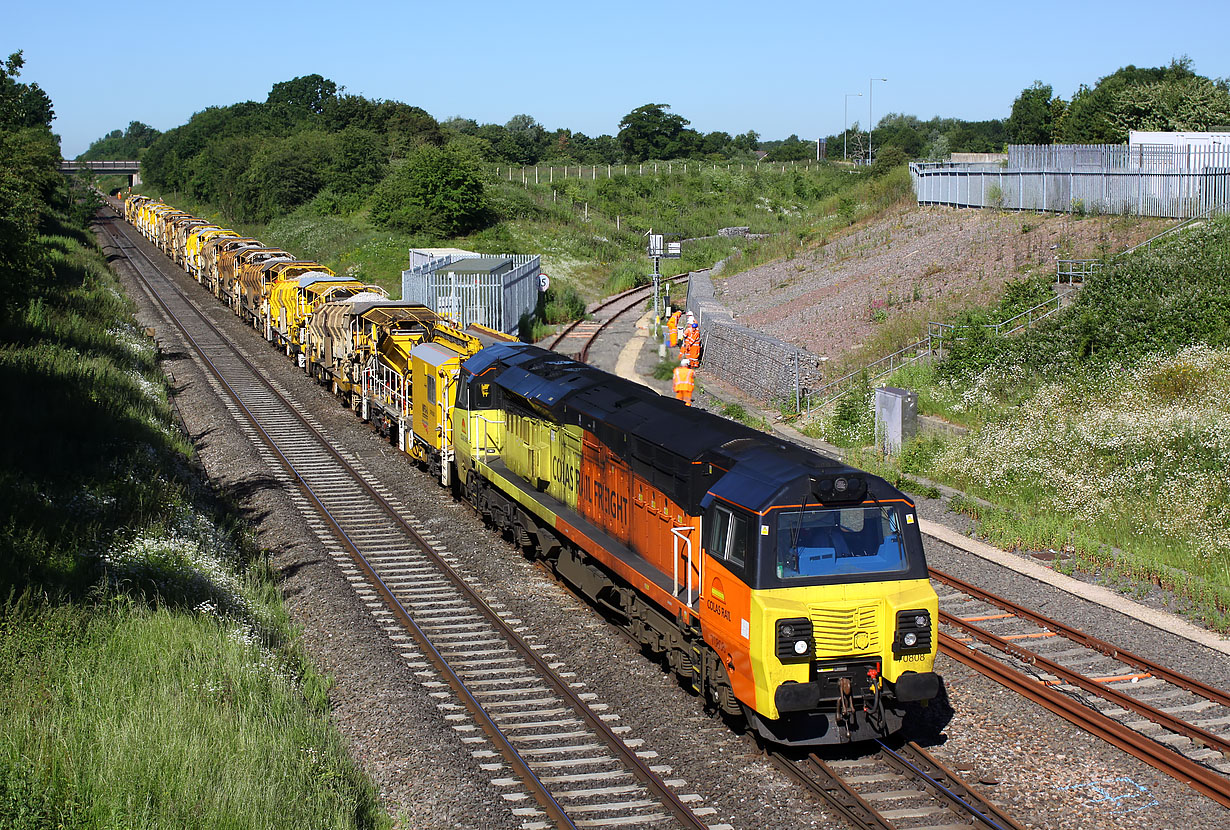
{"points": [[565, 473]]}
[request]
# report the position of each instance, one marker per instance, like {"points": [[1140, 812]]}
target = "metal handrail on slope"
{"points": [[1073, 268]]}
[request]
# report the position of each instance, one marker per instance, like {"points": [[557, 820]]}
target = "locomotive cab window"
{"points": [[480, 394], [728, 536], [826, 542]]}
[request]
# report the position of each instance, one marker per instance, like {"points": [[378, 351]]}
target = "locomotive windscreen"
{"points": [[820, 542]]}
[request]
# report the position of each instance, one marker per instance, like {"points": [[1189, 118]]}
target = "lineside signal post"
{"points": [[659, 249]]}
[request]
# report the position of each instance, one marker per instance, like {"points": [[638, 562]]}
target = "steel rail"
{"points": [[820, 778], [650, 779], [1161, 718], [1076, 635], [940, 783], [611, 300], [1201, 779], [497, 736], [955, 789], [583, 355]]}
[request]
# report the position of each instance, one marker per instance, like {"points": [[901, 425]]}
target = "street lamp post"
{"points": [[845, 127], [870, 122]]}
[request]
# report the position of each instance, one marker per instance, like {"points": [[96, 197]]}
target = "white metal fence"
{"points": [[497, 301], [1178, 182]]}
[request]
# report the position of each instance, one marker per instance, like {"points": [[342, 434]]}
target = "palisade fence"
{"points": [[496, 301], [1144, 180]]}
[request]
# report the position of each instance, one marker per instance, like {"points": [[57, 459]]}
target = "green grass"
{"points": [[1121, 467], [149, 674], [665, 370], [737, 412], [122, 716], [604, 252]]}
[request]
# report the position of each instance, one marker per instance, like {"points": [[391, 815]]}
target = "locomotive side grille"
{"points": [[841, 631]]}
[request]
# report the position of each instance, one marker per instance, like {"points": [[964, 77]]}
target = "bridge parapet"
{"points": [[131, 169]]}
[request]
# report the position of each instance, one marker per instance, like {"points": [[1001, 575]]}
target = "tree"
{"points": [[21, 105], [458, 124], [307, 94], [117, 145], [792, 149], [1193, 103], [1095, 113], [438, 191], [524, 140], [904, 131], [650, 132], [285, 174], [1034, 114], [358, 161], [887, 158], [716, 145], [407, 127], [748, 142]]}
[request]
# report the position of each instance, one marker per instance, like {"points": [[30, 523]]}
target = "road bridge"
{"points": [[131, 169]]}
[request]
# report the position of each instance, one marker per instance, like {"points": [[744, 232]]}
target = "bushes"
{"points": [[438, 191], [562, 304], [1160, 300], [1136, 453]]}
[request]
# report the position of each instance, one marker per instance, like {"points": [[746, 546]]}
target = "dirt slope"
{"points": [[925, 262]]}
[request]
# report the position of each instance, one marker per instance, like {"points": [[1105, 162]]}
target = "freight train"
{"points": [[785, 587]]}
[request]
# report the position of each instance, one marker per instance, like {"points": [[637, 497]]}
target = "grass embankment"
{"points": [[590, 231], [1104, 433], [149, 675]]}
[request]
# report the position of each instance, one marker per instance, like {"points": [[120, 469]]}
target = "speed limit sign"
{"points": [[544, 282]]}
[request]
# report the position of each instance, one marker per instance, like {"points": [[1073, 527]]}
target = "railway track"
{"points": [[567, 768], [575, 339], [553, 754], [1173, 722], [894, 788]]}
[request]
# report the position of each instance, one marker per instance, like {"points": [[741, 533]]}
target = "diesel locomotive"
{"points": [[784, 586]]}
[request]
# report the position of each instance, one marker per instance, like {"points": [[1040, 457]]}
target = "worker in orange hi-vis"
{"points": [[690, 353], [691, 344], [685, 382], [672, 327]]}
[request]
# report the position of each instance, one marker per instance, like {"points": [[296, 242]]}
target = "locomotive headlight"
{"points": [[913, 632], [840, 485], [793, 639]]}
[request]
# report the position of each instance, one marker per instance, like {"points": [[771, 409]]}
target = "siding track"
{"points": [[1171, 721], [576, 338]]}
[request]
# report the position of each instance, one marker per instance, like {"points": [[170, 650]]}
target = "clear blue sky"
{"points": [[776, 68]]}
